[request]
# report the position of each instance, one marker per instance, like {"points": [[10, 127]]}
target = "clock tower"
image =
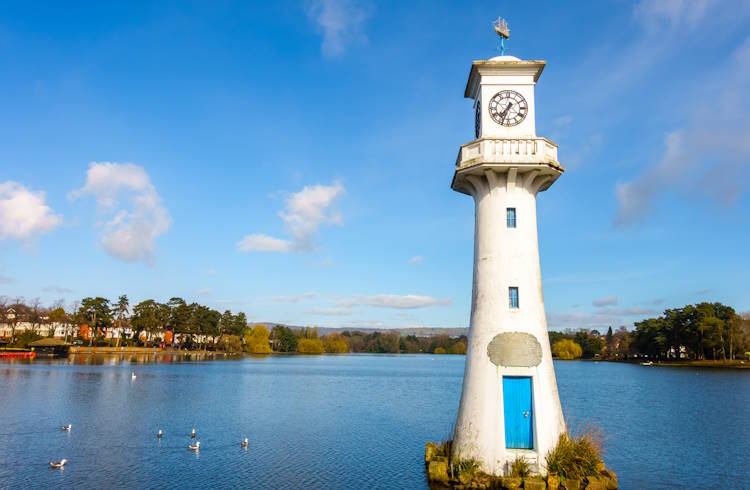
{"points": [[509, 407]]}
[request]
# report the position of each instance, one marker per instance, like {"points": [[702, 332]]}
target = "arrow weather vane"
{"points": [[502, 30]]}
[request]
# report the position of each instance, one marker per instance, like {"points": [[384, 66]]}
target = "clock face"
{"points": [[477, 118], [508, 108]]}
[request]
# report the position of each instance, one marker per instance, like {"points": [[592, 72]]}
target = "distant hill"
{"points": [[418, 331]]}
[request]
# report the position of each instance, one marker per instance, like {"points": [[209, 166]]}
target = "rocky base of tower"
{"points": [[588, 474]]}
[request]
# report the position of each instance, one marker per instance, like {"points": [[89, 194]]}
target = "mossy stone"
{"points": [[553, 482], [510, 482], [438, 471], [570, 485], [595, 483], [534, 484], [430, 451], [611, 479]]}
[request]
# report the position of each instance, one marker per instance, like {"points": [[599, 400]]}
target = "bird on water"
{"points": [[132, 375], [58, 464], [192, 434], [66, 428], [194, 447], [159, 434], [244, 442]]}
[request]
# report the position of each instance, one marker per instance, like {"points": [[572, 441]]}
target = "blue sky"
{"points": [[293, 160]]}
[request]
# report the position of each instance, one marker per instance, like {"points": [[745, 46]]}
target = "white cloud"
{"points": [[683, 14], [605, 301], [332, 311], [416, 259], [258, 242], [710, 156], [341, 22], [409, 301], [303, 216], [24, 214], [57, 290], [130, 233], [202, 292]]}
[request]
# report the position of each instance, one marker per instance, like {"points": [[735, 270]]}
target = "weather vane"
{"points": [[502, 30]]}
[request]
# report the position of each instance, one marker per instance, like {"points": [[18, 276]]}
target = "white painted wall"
{"points": [[505, 257]]}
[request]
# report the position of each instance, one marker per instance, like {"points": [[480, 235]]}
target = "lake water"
{"points": [[356, 421]]}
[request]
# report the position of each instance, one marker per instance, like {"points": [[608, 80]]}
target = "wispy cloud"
{"points": [[710, 155], [202, 292], [605, 301], [341, 22], [5, 279], [296, 298], [24, 214], [57, 290], [130, 231], [303, 216], [416, 259], [330, 311], [408, 301]]}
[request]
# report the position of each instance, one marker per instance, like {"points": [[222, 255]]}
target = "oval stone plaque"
{"points": [[515, 349]]}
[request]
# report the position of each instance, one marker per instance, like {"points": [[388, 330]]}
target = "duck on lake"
{"points": [[244, 442], [66, 428], [195, 447], [159, 434], [58, 464], [132, 375], [192, 434]]}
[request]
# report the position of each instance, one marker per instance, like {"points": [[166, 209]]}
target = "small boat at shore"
{"points": [[18, 354]]}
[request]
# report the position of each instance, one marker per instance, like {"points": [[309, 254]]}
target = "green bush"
{"points": [[575, 457], [440, 350], [23, 339], [567, 349], [310, 346]]}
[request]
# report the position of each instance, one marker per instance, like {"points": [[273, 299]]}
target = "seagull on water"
{"points": [[244, 442], [194, 447], [58, 464], [159, 434], [66, 428]]}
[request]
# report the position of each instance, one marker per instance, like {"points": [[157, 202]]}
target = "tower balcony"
{"points": [[516, 156]]}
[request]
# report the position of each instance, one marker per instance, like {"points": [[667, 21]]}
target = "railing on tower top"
{"points": [[510, 150]]}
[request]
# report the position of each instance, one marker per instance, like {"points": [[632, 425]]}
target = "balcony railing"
{"points": [[507, 150]]}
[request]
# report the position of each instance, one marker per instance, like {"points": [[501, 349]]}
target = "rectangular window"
{"points": [[511, 217], [513, 297]]}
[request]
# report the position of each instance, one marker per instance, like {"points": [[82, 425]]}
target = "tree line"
{"points": [[195, 326], [705, 331]]}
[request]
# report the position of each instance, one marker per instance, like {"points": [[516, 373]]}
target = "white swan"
{"points": [[244, 442], [58, 464], [159, 434], [67, 427], [192, 434], [194, 447]]}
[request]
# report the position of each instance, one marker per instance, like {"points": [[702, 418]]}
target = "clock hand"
{"points": [[505, 112]]}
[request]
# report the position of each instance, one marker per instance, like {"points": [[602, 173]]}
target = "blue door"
{"points": [[517, 405]]}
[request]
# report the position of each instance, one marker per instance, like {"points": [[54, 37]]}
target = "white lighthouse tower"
{"points": [[509, 403]]}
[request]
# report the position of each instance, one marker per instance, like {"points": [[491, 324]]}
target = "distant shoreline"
{"points": [[736, 364]]}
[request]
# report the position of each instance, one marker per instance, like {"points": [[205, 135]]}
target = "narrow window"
{"points": [[511, 217], [513, 297]]}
